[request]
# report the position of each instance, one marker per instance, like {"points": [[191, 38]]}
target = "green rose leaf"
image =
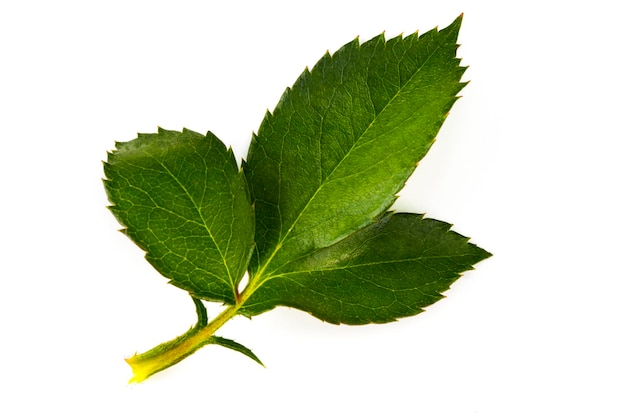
{"points": [[390, 269], [345, 138], [307, 216], [181, 197]]}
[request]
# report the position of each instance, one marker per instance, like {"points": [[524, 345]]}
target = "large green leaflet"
{"points": [[307, 216], [388, 270], [182, 199], [343, 141]]}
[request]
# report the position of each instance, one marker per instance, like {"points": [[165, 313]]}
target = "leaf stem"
{"points": [[170, 353]]}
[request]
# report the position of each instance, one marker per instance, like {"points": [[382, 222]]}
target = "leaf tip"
{"points": [[456, 24]]}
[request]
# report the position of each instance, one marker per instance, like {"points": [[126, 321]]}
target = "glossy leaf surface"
{"points": [[308, 216], [181, 197], [344, 139], [391, 269]]}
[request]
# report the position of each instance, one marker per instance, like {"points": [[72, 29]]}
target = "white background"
{"points": [[529, 164]]}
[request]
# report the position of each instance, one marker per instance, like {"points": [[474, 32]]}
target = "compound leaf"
{"points": [[182, 199], [308, 214]]}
